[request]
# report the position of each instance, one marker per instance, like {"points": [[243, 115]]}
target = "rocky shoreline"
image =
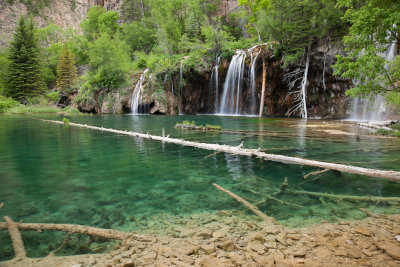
{"points": [[373, 241]]}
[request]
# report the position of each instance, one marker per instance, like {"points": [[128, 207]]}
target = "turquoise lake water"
{"points": [[51, 173]]}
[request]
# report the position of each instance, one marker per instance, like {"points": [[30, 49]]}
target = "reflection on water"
{"points": [[60, 174]]}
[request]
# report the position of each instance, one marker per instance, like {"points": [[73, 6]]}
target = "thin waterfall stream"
{"points": [[137, 96]]}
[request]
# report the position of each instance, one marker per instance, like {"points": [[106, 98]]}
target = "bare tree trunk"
{"points": [[263, 88]]}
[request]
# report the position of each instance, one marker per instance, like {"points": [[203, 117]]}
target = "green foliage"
{"points": [[24, 76], [109, 62], [189, 123], [135, 10], [32, 109], [65, 121], [4, 62], [374, 26], [213, 127], [66, 69], [7, 103], [293, 24], [141, 36], [71, 111], [53, 96], [386, 132], [100, 22]]}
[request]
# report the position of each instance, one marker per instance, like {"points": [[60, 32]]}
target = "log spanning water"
{"points": [[239, 150]]}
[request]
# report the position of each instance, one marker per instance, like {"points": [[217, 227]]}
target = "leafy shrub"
{"points": [[385, 132], [53, 96], [7, 103], [65, 121]]}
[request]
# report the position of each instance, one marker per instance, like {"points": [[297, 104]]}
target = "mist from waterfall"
{"points": [[372, 109], [137, 106]]}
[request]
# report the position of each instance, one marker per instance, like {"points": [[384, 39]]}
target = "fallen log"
{"points": [[71, 228], [247, 204], [389, 175], [16, 239], [315, 173], [358, 198]]}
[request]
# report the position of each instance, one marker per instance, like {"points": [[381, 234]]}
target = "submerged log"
{"points": [[16, 239], [315, 173], [71, 228], [358, 198], [389, 175], [247, 204]]}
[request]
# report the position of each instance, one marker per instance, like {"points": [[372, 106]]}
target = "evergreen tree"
{"points": [[24, 76], [66, 69]]}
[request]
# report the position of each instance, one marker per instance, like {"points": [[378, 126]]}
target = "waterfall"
{"points": [[372, 109], [253, 103], [214, 78], [180, 87], [230, 101], [137, 96], [303, 109]]}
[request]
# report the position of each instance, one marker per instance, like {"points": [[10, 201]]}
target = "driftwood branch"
{"points": [[358, 198], [244, 202], [71, 228], [389, 175], [315, 173], [369, 213], [16, 239]]}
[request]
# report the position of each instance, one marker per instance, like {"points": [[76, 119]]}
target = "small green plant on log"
{"points": [[65, 121], [213, 127]]}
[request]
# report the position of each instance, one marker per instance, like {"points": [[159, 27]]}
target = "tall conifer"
{"points": [[66, 69], [24, 74]]}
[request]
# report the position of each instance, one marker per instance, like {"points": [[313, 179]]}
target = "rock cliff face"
{"points": [[68, 13], [325, 92]]}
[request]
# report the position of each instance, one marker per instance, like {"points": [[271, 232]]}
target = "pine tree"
{"points": [[66, 69], [24, 76]]}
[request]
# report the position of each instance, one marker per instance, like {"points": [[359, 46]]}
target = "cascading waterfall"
{"points": [[303, 109], [214, 79], [253, 103], [137, 96], [374, 109], [230, 101]]}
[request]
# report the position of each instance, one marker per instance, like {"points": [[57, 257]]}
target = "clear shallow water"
{"points": [[59, 174]]}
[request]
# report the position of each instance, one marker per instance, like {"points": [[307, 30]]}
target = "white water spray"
{"points": [[137, 96]]}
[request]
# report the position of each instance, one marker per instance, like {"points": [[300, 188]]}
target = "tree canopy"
{"points": [[371, 45], [24, 76]]}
